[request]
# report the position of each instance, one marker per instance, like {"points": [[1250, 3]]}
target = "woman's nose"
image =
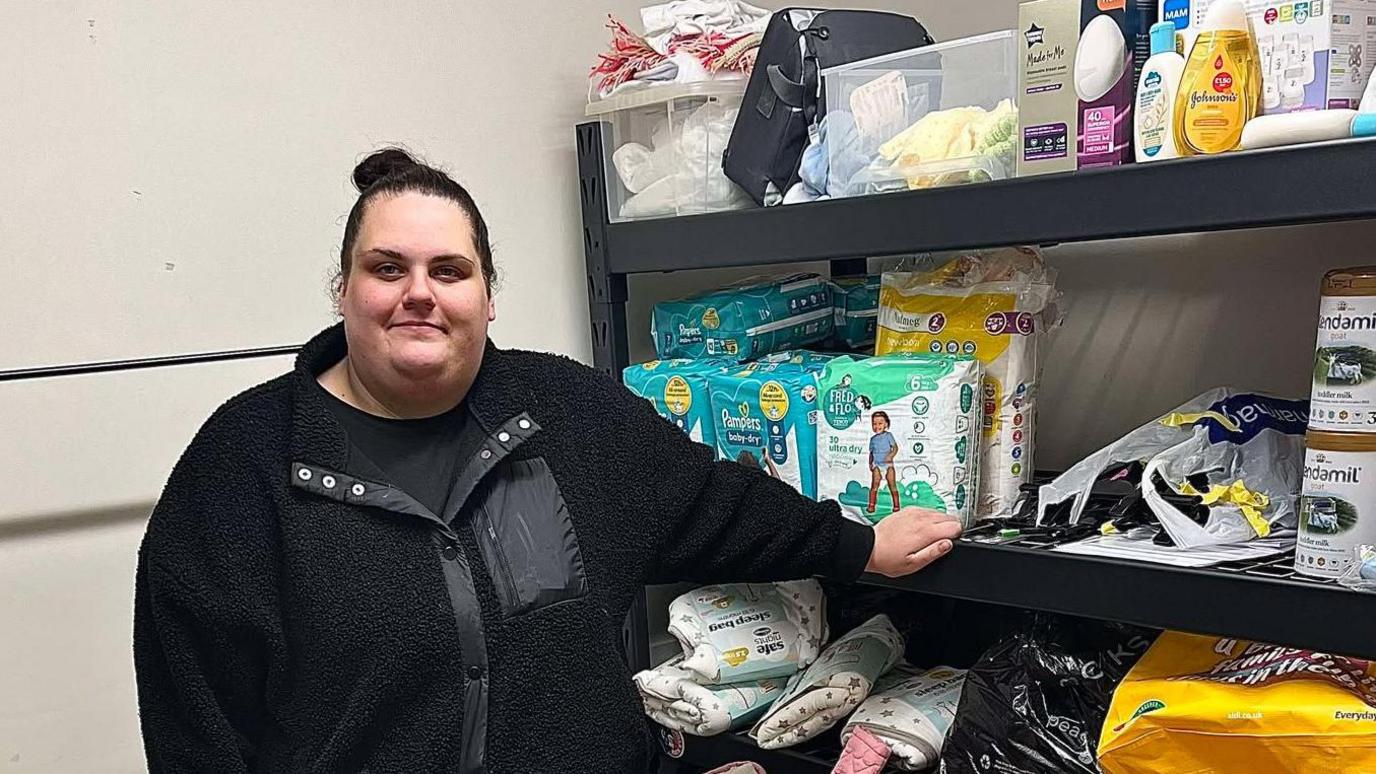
{"points": [[418, 291]]}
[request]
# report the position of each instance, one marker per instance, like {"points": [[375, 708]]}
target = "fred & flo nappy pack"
{"points": [[898, 431], [745, 321]]}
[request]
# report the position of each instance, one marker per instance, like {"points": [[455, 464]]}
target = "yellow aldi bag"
{"points": [[1205, 705]]}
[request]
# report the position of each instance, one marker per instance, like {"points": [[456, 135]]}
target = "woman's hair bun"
{"points": [[380, 164]]}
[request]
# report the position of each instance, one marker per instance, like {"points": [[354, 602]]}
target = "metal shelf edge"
{"points": [[1324, 183], [1286, 612]]}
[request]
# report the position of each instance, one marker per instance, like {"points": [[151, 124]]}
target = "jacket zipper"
{"points": [[503, 571]]}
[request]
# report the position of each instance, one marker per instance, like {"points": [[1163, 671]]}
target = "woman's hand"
{"points": [[911, 539]]}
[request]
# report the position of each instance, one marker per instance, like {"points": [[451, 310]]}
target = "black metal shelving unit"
{"points": [[1262, 600]]}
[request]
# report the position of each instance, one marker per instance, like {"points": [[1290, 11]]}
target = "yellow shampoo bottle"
{"points": [[1221, 88]]}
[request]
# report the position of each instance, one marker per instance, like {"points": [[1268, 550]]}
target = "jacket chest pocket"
{"points": [[527, 539]]}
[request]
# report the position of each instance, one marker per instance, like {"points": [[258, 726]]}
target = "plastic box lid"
{"points": [[661, 93], [987, 37]]}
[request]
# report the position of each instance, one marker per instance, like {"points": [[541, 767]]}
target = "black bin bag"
{"points": [[784, 95], [1035, 703]]}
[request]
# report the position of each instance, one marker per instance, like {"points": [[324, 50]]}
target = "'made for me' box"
{"points": [[1081, 60]]}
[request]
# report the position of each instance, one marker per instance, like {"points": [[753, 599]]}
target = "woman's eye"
{"points": [[449, 272], [389, 270]]}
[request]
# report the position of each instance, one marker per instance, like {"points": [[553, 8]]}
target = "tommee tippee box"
{"points": [[1081, 59]]}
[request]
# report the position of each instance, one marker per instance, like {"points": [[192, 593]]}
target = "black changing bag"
{"points": [[784, 96]]}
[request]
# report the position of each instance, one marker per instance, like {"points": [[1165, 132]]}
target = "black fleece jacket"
{"points": [[294, 613]]}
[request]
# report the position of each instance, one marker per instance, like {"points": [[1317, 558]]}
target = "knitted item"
{"points": [[865, 753]]}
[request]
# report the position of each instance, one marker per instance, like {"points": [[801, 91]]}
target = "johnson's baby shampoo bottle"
{"points": [[1221, 89]]}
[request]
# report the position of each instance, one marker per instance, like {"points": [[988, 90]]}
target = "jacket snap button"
{"points": [[486, 454], [451, 553], [304, 474], [504, 437], [475, 673], [358, 490], [328, 481], [524, 424]]}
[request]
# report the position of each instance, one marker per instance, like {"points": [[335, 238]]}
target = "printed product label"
{"points": [[678, 396], [1049, 141], [1344, 395], [1338, 487], [753, 632], [1176, 12], [1152, 112], [1098, 124]]}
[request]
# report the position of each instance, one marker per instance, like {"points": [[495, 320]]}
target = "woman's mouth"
{"points": [[418, 325]]}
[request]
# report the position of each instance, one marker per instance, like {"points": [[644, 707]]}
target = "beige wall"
{"points": [[113, 98]]}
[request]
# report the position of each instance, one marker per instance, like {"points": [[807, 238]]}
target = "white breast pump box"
{"points": [[1315, 54]]}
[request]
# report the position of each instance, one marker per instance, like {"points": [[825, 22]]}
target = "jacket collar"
{"points": [[497, 398]]}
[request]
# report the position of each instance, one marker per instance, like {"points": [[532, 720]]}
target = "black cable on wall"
{"points": [[107, 366]]}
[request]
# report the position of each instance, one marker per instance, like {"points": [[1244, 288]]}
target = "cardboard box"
{"points": [[1079, 72], [1314, 55]]}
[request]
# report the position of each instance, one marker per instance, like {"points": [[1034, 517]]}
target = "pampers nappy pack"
{"points": [[765, 415], [855, 301], [899, 431], [744, 321], [678, 391]]}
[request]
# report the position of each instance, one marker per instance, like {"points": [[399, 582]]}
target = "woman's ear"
{"points": [[491, 309]]}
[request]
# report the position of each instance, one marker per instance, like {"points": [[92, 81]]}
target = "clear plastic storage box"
{"points": [[664, 149], [938, 115]]}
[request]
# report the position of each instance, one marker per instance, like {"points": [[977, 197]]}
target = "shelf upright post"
{"points": [[607, 317]]}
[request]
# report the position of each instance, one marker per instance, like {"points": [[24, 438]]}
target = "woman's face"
{"points": [[415, 303]]}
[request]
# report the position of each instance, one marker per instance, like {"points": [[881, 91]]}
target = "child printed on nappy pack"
{"points": [[883, 450]]}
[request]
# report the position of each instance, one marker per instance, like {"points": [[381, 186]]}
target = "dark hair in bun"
{"points": [[385, 162], [393, 171]]}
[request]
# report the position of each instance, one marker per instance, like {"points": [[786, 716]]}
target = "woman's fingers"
{"points": [[911, 539], [929, 554]]}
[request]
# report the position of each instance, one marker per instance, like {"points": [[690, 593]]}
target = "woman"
{"points": [[415, 552]]}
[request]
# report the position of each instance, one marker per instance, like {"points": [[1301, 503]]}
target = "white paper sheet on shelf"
{"points": [[1137, 549]]}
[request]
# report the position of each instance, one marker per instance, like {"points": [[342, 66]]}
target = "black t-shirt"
{"points": [[421, 457]]}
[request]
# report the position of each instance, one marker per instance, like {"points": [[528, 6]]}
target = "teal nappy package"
{"points": [[765, 415], [678, 391], [855, 310], [745, 321], [898, 431]]}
